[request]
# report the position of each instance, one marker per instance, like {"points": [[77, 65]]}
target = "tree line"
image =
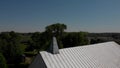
{"points": [[104, 37], [13, 46]]}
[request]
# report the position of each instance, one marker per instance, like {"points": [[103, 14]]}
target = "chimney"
{"points": [[54, 47]]}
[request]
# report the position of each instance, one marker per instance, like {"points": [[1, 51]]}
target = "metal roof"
{"points": [[103, 55]]}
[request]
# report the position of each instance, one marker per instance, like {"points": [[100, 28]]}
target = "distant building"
{"points": [[102, 55]]}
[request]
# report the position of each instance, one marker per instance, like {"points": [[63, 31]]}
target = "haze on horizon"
{"points": [[78, 15]]}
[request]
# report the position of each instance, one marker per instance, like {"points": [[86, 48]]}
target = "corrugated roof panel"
{"points": [[103, 55]]}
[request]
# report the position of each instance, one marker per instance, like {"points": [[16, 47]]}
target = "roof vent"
{"points": [[54, 47]]}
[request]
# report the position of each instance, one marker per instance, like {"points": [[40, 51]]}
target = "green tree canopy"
{"points": [[2, 61], [72, 39], [57, 28], [10, 47], [40, 41]]}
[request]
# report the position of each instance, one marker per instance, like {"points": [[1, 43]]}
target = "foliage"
{"points": [[2, 61], [74, 39], [40, 41], [10, 47], [18, 66], [104, 37], [56, 30], [36, 40]]}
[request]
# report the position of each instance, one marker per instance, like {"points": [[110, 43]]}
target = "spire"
{"points": [[54, 47]]}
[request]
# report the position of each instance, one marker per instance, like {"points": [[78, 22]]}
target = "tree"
{"points": [[83, 38], [36, 40], [2, 61], [56, 30], [10, 47], [72, 39], [40, 41]]}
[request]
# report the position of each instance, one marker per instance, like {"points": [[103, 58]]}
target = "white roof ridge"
{"points": [[90, 45], [87, 45]]}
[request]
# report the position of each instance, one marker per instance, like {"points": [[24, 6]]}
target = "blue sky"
{"points": [[78, 15]]}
